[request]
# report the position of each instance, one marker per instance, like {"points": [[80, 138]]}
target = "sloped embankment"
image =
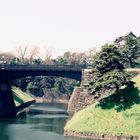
{"points": [[21, 99], [111, 118]]}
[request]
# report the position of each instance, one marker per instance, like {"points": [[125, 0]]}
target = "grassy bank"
{"points": [[116, 118], [20, 96]]}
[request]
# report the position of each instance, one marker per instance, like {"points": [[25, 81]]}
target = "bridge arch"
{"points": [[10, 72]]}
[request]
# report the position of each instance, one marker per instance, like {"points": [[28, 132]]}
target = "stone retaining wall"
{"points": [[99, 136], [80, 97], [73, 100]]}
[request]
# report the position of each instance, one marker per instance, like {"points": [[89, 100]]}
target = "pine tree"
{"points": [[131, 51], [108, 71]]}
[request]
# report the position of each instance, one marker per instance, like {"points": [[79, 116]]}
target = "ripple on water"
{"points": [[50, 116]]}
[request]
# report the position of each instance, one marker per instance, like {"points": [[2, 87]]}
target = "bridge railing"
{"points": [[42, 67]]}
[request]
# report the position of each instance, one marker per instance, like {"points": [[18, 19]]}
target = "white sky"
{"points": [[66, 25]]}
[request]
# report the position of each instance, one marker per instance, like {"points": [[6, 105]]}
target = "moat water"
{"points": [[42, 122]]}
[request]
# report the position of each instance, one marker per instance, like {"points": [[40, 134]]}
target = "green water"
{"points": [[36, 126]]}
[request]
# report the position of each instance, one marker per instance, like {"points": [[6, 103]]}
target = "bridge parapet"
{"points": [[42, 67], [10, 72]]}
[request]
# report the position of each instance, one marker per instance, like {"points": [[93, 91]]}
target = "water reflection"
{"points": [[35, 127]]}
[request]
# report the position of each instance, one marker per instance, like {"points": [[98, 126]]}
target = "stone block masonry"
{"points": [[80, 97]]}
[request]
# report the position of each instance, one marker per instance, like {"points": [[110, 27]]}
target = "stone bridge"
{"points": [[10, 72], [79, 99]]}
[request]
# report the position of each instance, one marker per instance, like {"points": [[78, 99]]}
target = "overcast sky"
{"points": [[74, 25]]}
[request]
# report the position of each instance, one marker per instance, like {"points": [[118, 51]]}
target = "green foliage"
{"points": [[61, 85], [61, 61], [30, 86], [108, 59], [37, 61], [65, 85], [15, 61], [131, 51], [108, 70], [110, 80], [71, 59]]}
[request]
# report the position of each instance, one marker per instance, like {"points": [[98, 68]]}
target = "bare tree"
{"points": [[22, 53], [33, 52], [48, 55]]}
